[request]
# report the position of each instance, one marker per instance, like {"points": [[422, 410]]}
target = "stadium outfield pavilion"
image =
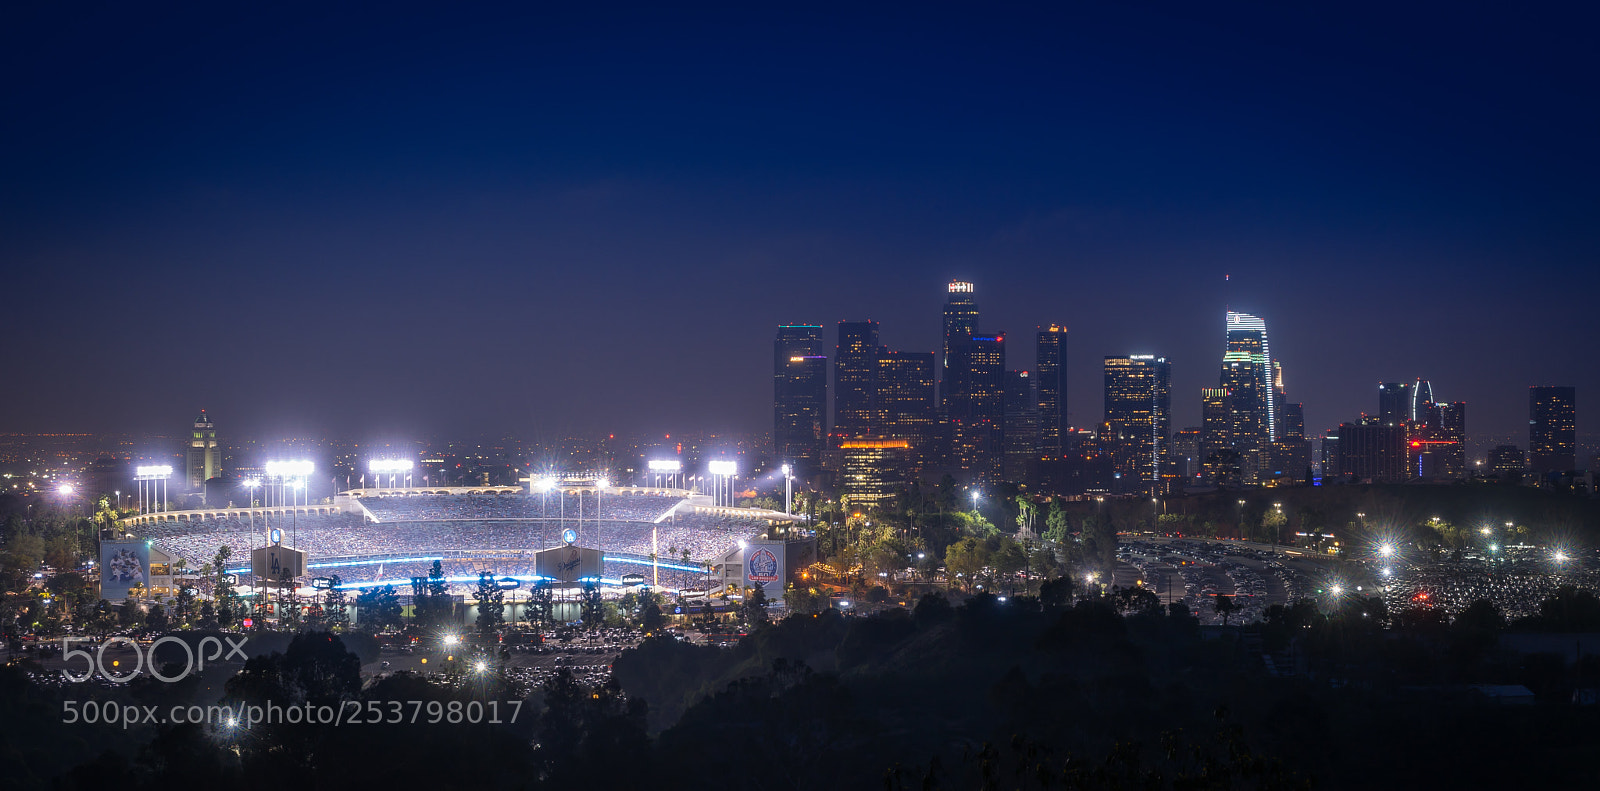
{"points": [[373, 537]]}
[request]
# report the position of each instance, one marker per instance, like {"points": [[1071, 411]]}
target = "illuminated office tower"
{"points": [[1453, 430], [205, 458], [977, 410], [799, 396], [1247, 374], [1021, 425], [873, 471], [960, 324], [855, 363], [1394, 403], [1330, 456], [1050, 381], [1373, 451], [1552, 429], [1183, 454], [1138, 420], [1422, 403], [903, 405], [1507, 461], [1219, 462], [1291, 454]]}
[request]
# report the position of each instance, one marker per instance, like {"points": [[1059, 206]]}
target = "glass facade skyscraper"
{"points": [[1138, 420], [1021, 425], [1247, 373], [855, 363], [960, 324], [977, 410], [903, 404], [1050, 381], [799, 396], [1552, 429]]}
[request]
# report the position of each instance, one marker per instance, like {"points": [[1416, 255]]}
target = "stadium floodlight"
{"points": [[65, 490], [153, 471], [666, 465], [289, 469], [723, 467]]}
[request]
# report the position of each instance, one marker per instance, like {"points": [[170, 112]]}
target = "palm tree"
{"points": [[1225, 607]]}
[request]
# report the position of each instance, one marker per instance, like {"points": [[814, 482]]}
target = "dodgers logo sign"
{"points": [[762, 566]]}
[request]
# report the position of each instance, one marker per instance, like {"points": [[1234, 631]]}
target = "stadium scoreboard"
{"points": [[568, 564], [270, 563]]}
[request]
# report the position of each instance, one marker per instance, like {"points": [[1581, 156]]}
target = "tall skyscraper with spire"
{"points": [[799, 396], [1050, 380], [205, 456]]}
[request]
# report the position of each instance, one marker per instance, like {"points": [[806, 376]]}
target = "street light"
{"points": [[1387, 550], [975, 496]]}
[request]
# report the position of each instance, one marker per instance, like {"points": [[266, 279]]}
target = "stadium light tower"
{"points": [[148, 478], [723, 472], [287, 472], [665, 468], [390, 467], [788, 490], [599, 486]]}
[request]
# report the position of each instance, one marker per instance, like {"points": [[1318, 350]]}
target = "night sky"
{"points": [[435, 219]]}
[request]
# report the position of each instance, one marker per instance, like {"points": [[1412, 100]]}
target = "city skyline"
{"points": [[478, 286]]}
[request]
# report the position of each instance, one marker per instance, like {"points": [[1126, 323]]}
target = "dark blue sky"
{"points": [[430, 219]]}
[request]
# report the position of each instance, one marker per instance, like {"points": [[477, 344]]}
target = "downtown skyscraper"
{"points": [[881, 394], [1552, 429], [972, 392], [1050, 382], [1138, 420], [1242, 448], [799, 396], [855, 364]]}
